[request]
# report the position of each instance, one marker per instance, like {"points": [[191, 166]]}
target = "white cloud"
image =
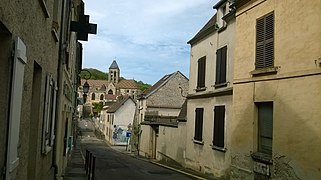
{"points": [[147, 37]]}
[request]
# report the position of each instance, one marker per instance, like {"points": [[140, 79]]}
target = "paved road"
{"points": [[111, 164]]}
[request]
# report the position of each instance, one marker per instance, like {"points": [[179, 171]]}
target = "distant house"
{"points": [[210, 94], [117, 120], [159, 106]]}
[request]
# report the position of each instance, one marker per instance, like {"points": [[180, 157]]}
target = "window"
{"points": [[101, 97], [198, 124], [49, 114], [265, 42], [201, 73], [219, 126], [220, 77], [265, 127], [93, 96], [110, 92]]}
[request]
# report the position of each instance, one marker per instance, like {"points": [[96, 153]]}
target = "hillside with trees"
{"points": [[99, 75]]}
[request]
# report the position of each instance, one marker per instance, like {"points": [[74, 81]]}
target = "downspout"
{"points": [[59, 80]]}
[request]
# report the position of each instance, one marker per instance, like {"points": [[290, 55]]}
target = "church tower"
{"points": [[114, 72]]}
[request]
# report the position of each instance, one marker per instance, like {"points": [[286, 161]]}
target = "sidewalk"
{"points": [[76, 166]]}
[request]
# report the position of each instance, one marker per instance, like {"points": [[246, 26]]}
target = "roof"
{"points": [[127, 84], [95, 83], [111, 97], [160, 83], [183, 113], [118, 104], [114, 65], [209, 27]]}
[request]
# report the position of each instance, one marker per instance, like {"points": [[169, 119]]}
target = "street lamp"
{"points": [[86, 85]]}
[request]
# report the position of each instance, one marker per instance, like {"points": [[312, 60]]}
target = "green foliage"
{"points": [[95, 74], [142, 86], [97, 107]]}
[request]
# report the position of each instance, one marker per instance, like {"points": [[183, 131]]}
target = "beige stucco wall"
{"points": [[145, 145], [295, 90], [202, 157], [171, 143]]}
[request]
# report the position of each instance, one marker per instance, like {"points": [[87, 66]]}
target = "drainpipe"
{"points": [[59, 80]]}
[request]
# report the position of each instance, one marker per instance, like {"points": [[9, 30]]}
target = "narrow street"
{"points": [[112, 164]]}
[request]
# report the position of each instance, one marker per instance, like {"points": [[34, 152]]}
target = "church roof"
{"points": [[127, 84], [114, 65], [95, 83]]}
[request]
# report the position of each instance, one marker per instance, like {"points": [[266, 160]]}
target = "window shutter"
{"points": [[218, 66], [265, 41], [269, 40], [201, 72], [223, 65], [198, 124], [259, 44], [265, 113], [219, 126]]}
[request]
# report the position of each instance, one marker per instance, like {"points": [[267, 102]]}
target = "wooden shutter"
{"points": [[265, 118], [219, 126], [265, 41], [221, 55], [198, 124], [201, 72]]}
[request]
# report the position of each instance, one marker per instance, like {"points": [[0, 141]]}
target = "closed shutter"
{"points": [[265, 41], [265, 117], [201, 72], [198, 124], [221, 65], [219, 126]]}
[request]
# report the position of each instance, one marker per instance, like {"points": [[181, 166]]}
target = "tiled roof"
{"points": [[95, 83], [127, 84], [118, 104], [111, 97], [114, 65], [206, 30]]}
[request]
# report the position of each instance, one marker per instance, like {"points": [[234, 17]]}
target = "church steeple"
{"points": [[114, 72]]}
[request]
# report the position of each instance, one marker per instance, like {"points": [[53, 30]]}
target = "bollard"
{"points": [[93, 168], [86, 160], [89, 165]]}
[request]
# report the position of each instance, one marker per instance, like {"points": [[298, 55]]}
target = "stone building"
{"points": [[277, 95], [39, 62], [159, 106], [209, 100]]}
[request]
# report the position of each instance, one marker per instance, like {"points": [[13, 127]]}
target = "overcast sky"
{"points": [[147, 37]]}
